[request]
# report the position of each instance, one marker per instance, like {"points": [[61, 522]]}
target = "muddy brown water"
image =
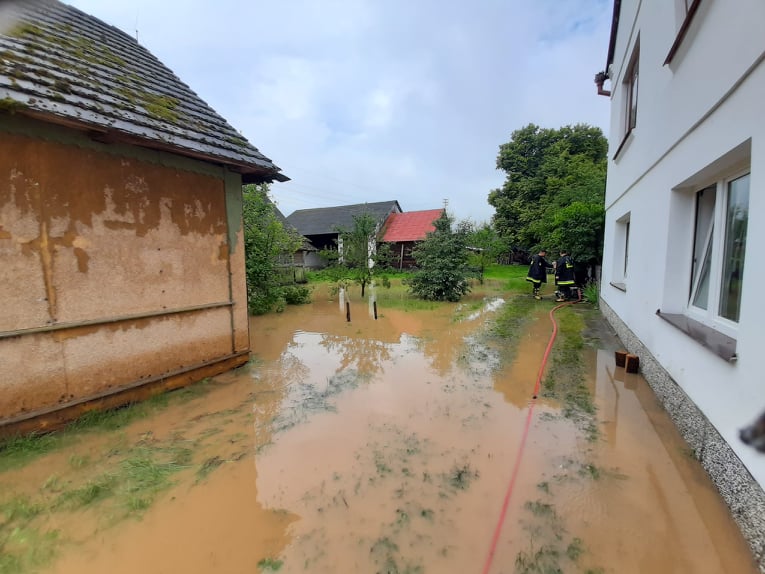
{"points": [[387, 446]]}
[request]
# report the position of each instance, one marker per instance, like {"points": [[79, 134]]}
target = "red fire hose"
{"points": [[524, 437]]}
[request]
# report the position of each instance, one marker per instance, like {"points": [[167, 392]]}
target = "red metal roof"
{"points": [[410, 225]]}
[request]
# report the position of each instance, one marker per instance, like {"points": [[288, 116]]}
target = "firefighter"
{"points": [[564, 276], [538, 272]]}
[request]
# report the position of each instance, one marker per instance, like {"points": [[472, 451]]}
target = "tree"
{"points": [[358, 250], [266, 241], [442, 259], [554, 190], [484, 246], [358, 257]]}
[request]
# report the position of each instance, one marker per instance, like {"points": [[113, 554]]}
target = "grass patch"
{"points": [[539, 508], [17, 451], [591, 293], [19, 508], [512, 276], [512, 318], [555, 553], [93, 491], [208, 466], [565, 379], [270, 564], [25, 549], [461, 476]]}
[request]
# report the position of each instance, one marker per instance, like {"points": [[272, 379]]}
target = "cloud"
{"points": [[368, 100]]}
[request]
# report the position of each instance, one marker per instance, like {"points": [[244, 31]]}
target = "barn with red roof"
{"points": [[403, 230]]}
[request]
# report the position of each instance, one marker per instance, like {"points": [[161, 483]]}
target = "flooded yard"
{"points": [[381, 446]]}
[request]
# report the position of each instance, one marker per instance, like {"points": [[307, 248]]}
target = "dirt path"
{"points": [[383, 446]]}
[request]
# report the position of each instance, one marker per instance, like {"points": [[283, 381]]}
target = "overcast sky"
{"points": [[372, 100]]}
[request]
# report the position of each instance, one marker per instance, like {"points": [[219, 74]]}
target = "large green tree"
{"points": [[442, 259], [266, 243], [554, 190]]}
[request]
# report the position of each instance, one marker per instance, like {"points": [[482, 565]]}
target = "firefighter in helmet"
{"points": [[538, 272], [564, 276]]}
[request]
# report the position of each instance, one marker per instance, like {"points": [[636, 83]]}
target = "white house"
{"points": [[683, 278]]}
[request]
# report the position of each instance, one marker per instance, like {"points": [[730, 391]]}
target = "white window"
{"points": [[621, 252], [631, 91], [719, 248]]}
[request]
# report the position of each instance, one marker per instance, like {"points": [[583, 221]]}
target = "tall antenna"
{"points": [[446, 202], [136, 25]]}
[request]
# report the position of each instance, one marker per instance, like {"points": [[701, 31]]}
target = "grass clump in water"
{"points": [[461, 476], [270, 564]]}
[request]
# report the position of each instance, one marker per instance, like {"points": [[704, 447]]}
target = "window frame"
{"points": [[620, 270], [711, 316], [690, 10], [630, 87]]}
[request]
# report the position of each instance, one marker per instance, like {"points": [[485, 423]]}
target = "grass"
{"points": [[555, 553], [591, 293], [496, 278], [18, 451], [121, 481], [461, 476], [270, 564], [565, 375], [512, 318]]}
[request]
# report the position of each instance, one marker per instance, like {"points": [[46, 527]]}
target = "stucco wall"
{"points": [[699, 120], [132, 257]]}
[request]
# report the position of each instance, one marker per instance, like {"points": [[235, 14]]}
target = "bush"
{"points": [[591, 293], [296, 294]]}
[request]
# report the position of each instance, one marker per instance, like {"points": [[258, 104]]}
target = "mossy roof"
{"points": [[63, 65]]}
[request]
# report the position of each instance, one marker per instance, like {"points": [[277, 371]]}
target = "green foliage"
{"points": [[361, 260], [591, 293], [554, 190], [266, 242], [358, 250], [485, 247], [442, 259], [270, 564], [296, 294]]}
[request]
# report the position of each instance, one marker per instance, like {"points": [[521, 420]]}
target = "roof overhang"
{"points": [[250, 173]]}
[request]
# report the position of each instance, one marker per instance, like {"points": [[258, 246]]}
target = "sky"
{"points": [[374, 100]]}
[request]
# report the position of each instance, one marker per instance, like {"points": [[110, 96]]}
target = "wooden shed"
{"points": [[121, 243]]}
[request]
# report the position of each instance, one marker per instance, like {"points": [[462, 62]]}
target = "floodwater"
{"points": [[388, 446]]}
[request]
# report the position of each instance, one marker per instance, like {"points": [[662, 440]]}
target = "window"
{"points": [[630, 96], [719, 248], [685, 11], [621, 252], [631, 91]]}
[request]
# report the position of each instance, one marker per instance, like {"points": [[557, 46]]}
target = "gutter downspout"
{"points": [[600, 79]]}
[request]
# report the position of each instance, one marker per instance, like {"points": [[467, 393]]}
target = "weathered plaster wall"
{"points": [[240, 318], [93, 233]]}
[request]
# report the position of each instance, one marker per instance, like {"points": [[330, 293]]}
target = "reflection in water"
{"points": [[405, 470]]}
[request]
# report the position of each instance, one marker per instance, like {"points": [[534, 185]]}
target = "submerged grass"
{"points": [[17, 451], [565, 380], [119, 482]]}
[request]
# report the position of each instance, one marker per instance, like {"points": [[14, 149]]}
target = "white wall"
{"points": [[694, 119]]}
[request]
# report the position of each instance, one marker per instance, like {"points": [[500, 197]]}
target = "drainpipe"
{"points": [[600, 79]]}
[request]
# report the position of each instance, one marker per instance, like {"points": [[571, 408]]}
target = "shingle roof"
{"points": [[62, 65], [410, 226], [327, 220]]}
